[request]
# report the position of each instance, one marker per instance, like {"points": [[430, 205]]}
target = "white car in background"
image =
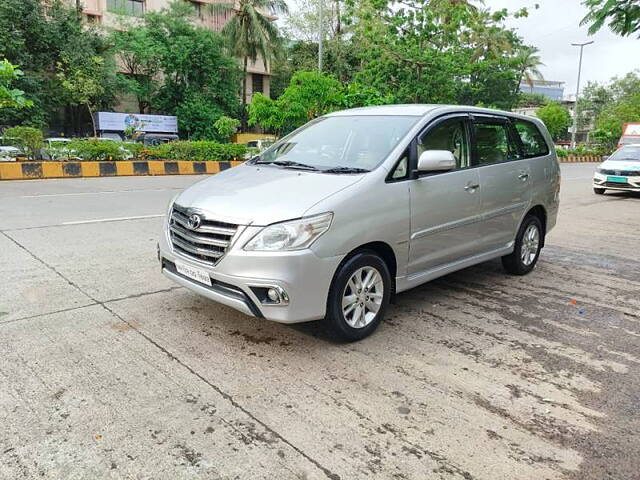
{"points": [[620, 172], [9, 153]]}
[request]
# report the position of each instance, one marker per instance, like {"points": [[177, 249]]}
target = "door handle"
{"points": [[472, 188], [523, 176]]}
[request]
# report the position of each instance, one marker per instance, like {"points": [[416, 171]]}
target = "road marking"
{"points": [[108, 192], [118, 219]]}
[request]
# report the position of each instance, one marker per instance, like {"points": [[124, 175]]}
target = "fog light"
{"points": [[273, 295]]}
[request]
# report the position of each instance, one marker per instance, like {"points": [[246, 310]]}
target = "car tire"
{"points": [[354, 313], [527, 247], [598, 191]]}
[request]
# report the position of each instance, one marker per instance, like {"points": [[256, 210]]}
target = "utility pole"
{"points": [[576, 110], [320, 35]]}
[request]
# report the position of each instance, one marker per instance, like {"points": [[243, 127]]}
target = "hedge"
{"points": [[198, 151], [91, 149]]}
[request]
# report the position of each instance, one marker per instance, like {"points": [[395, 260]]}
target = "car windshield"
{"points": [[345, 143], [627, 154]]}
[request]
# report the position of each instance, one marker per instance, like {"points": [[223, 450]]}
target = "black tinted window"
{"points": [[533, 142], [493, 143]]}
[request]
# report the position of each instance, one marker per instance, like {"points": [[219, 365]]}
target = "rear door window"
{"points": [[533, 143], [493, 143]]}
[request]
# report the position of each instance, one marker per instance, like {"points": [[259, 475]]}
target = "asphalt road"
{"points": [[108, 370]]}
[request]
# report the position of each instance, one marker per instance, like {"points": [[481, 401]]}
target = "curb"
{"points": [[121, 168], [580, 159]]}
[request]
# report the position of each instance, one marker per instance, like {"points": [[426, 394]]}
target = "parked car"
{"points": [[56, 148], [620, 172], [10, 154], [155, 139], [335, 219]]}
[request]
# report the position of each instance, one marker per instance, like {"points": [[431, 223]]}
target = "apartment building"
{"points": [[109, 13]]}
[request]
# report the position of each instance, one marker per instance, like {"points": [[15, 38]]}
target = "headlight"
{"points": [[293, 235]]}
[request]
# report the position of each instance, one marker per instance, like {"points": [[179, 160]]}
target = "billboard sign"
{"points": [[118, 122]]}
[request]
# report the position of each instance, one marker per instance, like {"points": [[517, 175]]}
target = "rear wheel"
{"points": [[527, 248], [358, 297], [598, 191]]}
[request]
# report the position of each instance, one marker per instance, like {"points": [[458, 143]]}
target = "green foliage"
{"points": [[196, 80], [11, 97], [556, 118], [198, 151], [622, 16], [562, 152], [99, 150], [29, 140], [226, 127], [82, 81], [309, 95], [39, 43], [610, 106]]}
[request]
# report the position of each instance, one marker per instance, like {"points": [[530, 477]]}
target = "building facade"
{"points": [[550, 89], [110, 12]]}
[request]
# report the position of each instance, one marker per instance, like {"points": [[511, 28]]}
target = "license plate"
{"points": [[617, 179], [194, 273]]}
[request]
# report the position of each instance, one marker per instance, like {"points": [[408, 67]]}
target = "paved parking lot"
{"points": [[108, 370]]}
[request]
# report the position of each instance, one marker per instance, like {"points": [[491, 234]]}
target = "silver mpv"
{"points": [[335, 219]]}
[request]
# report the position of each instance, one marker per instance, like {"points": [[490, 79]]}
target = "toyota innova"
{"points": [[336, 218]]}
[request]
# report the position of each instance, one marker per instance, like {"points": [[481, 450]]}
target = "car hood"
{"points": [[621, 165], [261, 195]]}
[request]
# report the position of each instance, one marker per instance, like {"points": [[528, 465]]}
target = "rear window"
{"points": [[533, 143]]}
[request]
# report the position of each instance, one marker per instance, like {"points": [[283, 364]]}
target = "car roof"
{"points": [[421, 110]]}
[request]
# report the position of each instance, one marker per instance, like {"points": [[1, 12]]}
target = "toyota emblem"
{"points": [[194, 221]]}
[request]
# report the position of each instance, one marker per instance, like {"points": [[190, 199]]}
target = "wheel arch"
{"points": [[540, 212], [384, 251]]}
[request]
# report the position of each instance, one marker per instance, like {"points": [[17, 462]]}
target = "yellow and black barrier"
{"points": [[121, 168]]}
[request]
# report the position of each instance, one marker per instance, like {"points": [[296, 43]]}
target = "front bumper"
{"points": [[632, 185], [303, 275]]}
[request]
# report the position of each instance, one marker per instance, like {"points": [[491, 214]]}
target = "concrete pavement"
{"points": [[108, 370]]}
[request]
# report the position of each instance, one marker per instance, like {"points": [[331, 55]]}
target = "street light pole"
{"points": [[576, 110], [320, 35]]}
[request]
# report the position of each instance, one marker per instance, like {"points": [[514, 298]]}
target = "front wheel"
{"points": [[598, 191], [358, 297], [527, 247]]}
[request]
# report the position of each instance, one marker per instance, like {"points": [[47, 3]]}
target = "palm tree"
{"points": [[528, 59], [251, 34]]}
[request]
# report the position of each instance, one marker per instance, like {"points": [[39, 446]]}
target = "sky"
{"points": [[555, 25]]}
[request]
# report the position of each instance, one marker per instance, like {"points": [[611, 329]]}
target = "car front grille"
{"points": [[206, 242], [616, 184], [621, 173]]}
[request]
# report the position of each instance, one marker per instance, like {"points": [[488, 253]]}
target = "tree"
{"points": [[11, 97], [309, 95], [251, 34], [82, 84], [140, 60], [38, 42], [528, 59], [197, 80], [622, 16], [226, 127], [556, 118]]}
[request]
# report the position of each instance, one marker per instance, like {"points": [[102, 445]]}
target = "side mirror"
{"points": [[436, 161]]}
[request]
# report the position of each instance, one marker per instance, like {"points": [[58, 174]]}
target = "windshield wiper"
{"points": [[288, 163], [346, 170]]}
